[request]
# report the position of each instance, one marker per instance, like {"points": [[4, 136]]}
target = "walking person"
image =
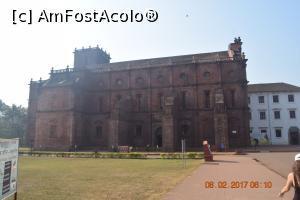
{"points": [[293, 179], [255, 143]]}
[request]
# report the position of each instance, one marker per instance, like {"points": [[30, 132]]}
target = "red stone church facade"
{"points": [[150, 102]]}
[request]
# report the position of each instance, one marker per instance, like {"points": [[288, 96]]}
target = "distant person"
{"points": [[222, 147], [255, 142], [293, 179], [267, 137]]}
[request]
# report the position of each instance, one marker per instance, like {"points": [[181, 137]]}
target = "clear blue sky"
{"points": [[270, 31]]}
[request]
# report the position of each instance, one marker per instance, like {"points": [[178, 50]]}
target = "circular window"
{"points": [[231, 73], [160, 78], [119, 82], [206, 74], [183, 76], [101, 84]]}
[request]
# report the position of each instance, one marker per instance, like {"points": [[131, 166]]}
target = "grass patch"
{"points": [[44, 178]]}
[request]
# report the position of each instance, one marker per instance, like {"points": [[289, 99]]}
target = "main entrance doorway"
{"points": [[294, 135], [157, 139]]}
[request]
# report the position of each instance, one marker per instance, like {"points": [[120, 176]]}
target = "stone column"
{"points": [[113, 139], [168, 124], [220, 121], [221, 130]]}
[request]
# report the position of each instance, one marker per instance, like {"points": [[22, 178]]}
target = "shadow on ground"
{"points": [[216, 162]]}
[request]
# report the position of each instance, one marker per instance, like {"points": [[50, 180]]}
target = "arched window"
{"points": [[100, 104], [206, 75], [184, 77], [232, 95], [118, 97], [160, 100], [52, 131], [138, 130], [139, 80], [184, 131], [52, 128], [160, 78], [98, 131], [183, 99], [207, 99], [101, 84], [138, 101]]}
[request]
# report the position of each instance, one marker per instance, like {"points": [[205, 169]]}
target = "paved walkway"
{"points": [[273, 148], [280, 162], [229, 168]]}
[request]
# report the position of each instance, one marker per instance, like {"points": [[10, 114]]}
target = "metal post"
{"points": [[183, 152], [16, 196]]}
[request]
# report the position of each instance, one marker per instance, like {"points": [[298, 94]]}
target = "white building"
{"points": [[274, 113]]}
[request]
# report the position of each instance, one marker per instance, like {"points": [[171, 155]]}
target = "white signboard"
{"points": [[8, 167]]}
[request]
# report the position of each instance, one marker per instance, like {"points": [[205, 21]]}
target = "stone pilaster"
{"points": [[220, 121], [168, 124], [113, 138], [221, 130]]}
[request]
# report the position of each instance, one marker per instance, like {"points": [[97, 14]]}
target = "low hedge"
{"points": [[132, 155], [190, 155]]}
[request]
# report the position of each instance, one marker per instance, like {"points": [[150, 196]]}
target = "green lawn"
{"points": [[92, 179]]}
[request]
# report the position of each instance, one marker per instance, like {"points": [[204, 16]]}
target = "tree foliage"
{"points": [[12, 121]]}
